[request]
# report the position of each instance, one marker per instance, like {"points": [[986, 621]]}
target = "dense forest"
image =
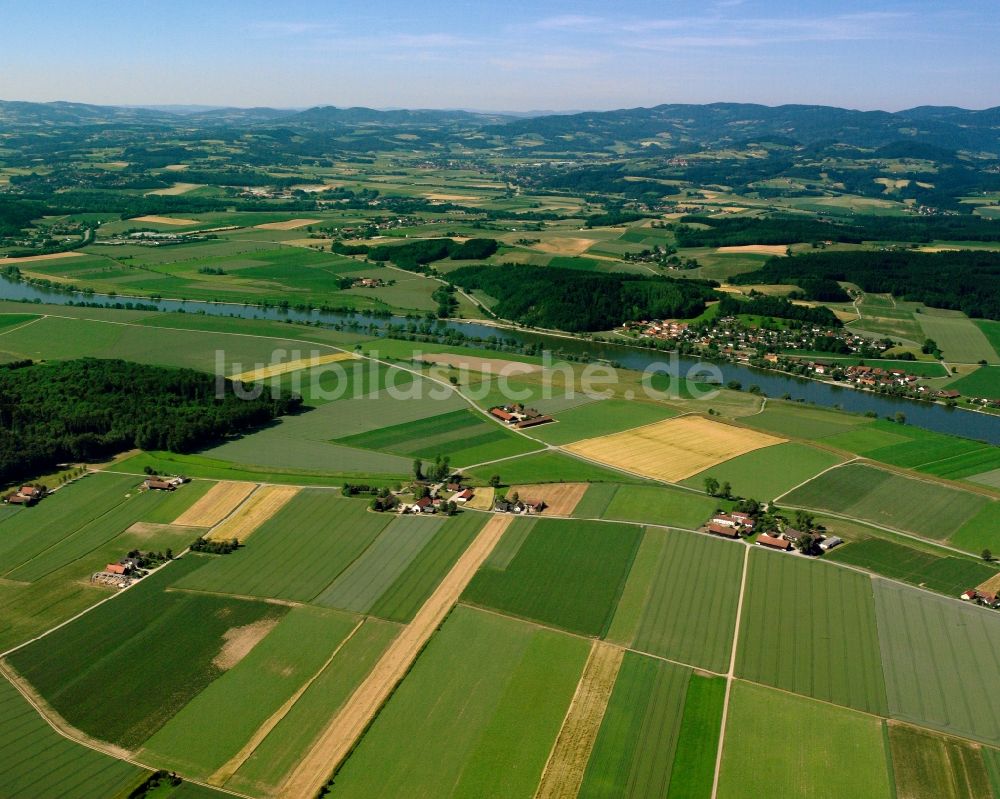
{"points": [[778, 307], [90, 408], [735, 231], [965, 280], [569, 299]]}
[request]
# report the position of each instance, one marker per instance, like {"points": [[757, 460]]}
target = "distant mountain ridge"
{"points": [[677, 127]]}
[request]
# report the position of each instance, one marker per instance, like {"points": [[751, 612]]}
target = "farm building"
{"points": [[829, 542], [726, 530], [463, 496], [773, 542], [156, 484], [968, 594], [27, 495], [518, 416]]}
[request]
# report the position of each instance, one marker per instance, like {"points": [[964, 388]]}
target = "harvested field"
{"points": [[483, 500], [50, 257], [564, 246], [564, 772], [261, 506], [490, 366], [760, 249], [447, 198], [288, 224], [354, 717], [560, 498], [216, 505], [674, 449], [165, 220], [177, 188], [991, 586], [290, 366]]}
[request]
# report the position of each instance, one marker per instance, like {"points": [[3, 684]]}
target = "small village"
{"points": [[739, 524]]}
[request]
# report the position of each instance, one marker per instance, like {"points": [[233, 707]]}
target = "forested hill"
{"points": [[967, 281], [576, 301], [91, 408]]}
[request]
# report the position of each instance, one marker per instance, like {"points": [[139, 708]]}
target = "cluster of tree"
{"points": [[154, 783], [16, 214], [383, 501], [613, 218], [622, 178], [439, 470], [85, 409], [734, 231], [415, 255], [779, 308], [573, 300], [967, 281], [354, 489], [148, 560], [214, 547]]}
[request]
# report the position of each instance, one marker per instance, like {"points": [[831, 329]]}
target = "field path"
{"points": [[730, 673], [563, 774], [347, 726]]}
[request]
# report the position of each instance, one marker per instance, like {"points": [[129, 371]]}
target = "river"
{"points": [[956, 421]]}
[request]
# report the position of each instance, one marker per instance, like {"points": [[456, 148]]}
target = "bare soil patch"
{"points": [[491, 366], [760, 249], [240, 640], [564, 246], [165, 220]]}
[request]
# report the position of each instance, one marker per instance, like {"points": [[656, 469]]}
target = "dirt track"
{"points": [[346, 727]]}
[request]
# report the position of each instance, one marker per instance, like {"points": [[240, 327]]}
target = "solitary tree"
{"points": [[711, 486], [987, 555], [804, 520], [495, 480], [726, 490], [418, 469]]}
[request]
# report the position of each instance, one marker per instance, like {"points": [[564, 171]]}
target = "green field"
{"points": [[361, 584], [769, 472], [477, 715], [216, 723], [801, 421], [662, 505], [465, 436], [566, 573], [984, 382], [595, 501], [939, 657], [634, 751], [404, 597], [123, 688], [980, 532], [904, 503], [928, 766], [296, 553], [694, 758], [810, 628], [991, 329], [600, 418], [959, 339], [45, 531], [9, 320], [680, 599], [783, 745], [945, 573], [37, 761], [550, 467], [278, 753]]}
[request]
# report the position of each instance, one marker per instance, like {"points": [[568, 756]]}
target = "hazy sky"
{"points": [[503, 54]]}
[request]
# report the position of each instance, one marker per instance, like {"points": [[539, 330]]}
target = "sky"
{"points": [[511, 55]]}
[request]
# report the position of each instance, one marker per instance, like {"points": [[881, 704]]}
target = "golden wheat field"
{"points": [[674, 449], [221, 500], [262, 505], [285, 367]]}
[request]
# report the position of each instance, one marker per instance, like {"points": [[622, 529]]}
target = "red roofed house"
{"points": [[502, 415], [766, 540], [969, 593], [722, 529], [464, 496], [115, 568]]}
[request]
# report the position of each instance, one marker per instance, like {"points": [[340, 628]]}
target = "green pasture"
{"points": [[810, 628], [680, 599], [569, 574], [476, 716]]}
